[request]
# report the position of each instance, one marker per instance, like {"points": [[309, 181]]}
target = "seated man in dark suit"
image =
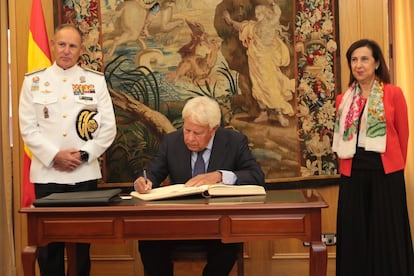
{"points": [[200, 153]]}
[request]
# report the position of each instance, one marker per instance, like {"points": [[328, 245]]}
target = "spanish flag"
{"points": [[38, 57]]}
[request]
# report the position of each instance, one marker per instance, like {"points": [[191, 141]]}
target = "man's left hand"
{"points": [[67, 160], [204, 178]]}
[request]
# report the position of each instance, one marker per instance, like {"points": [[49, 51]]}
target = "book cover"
{"points": [[179, 190], [83, 198]]}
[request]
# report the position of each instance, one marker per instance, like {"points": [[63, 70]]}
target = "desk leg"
{"points": [[318, 259], [71, 254], [29, 255]]}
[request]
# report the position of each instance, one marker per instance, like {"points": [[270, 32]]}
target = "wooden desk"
{"points": [[279, 214]]}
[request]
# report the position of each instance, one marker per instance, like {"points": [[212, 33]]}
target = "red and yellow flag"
{"points": [[38, 57]]}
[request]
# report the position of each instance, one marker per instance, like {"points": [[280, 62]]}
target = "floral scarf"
{"points": [[349, 116]]}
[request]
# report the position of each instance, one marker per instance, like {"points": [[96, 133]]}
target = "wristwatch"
{"points": [[84, 155]]}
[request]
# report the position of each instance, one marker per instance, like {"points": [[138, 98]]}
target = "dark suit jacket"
{"points": [[230, 151]]}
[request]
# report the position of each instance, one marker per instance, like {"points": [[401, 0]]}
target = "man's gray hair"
{"points": [[202, 110], [70, 26]]}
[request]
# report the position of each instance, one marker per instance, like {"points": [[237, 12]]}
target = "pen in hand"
{"points": [[146, 180]]}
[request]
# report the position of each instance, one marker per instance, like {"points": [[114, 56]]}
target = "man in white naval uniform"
{"points": [[67, 121]]}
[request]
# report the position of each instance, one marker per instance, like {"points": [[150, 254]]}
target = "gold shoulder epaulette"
{"points": [[35, 71], [93, 71]]}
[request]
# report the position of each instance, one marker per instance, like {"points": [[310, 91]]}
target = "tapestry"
{"points": [[270, 64]]}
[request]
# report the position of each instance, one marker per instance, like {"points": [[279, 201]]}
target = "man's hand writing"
{"points": [[142, 185]]}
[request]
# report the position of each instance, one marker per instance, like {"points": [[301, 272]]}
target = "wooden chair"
{"points": [[197, 253]]}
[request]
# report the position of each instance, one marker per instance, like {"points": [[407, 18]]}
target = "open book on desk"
{"points": [[179, 190]]}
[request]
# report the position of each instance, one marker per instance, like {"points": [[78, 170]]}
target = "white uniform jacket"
{"points": [[61, 109]]}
